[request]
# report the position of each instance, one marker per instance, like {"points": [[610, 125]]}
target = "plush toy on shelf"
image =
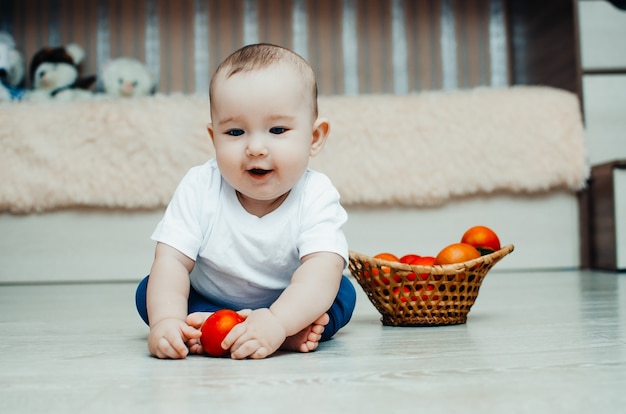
{"points": [[12, 70], [54, 75], [127, 78]]}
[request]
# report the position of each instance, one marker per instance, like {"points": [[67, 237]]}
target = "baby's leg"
{"points": [[326, 325], [308, 339], [341, 310], [197, 303], [140, 299]]}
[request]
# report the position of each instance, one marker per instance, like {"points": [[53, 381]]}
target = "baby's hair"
{"points": [[262, 55]]}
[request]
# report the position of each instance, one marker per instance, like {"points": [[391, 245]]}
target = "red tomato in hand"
{"points": [[456, 253], [482, 238], [215, 329]]}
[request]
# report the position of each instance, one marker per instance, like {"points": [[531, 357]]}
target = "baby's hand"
{"points": [[259, 336], [169, 336]]}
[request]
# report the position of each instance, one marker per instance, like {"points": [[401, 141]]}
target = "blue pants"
{"points": [[340, 312]]}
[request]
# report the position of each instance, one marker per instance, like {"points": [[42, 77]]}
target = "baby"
{"points": [[254, 230]]}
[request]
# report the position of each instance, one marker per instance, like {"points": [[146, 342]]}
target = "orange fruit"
{"points": [[482, 238], [387, 256], [456, 253], [386, 269]]}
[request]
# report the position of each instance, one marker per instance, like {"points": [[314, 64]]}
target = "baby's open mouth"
{"points": [[259, 171]]}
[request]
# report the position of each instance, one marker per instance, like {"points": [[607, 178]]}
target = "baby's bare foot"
{"points": [[308, 339]]}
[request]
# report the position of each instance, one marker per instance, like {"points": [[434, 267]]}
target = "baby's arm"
{"points": [[310, 294], [167, 296]]}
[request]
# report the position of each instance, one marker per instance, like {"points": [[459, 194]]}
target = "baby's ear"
{"points": [[209, 128], [321, 129]]}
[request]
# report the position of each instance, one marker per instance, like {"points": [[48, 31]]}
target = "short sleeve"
{"points": [[322, 219], [184, 223]]}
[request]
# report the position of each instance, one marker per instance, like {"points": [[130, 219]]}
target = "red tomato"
{"points": [[456, 253], [409, 258], [215, 329], [429, 288], [482, 238], [403, 296], [424, 261]]}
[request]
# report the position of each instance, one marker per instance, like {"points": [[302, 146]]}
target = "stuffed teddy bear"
{"points": [[12, 70], [54, 75], [127, 78]]}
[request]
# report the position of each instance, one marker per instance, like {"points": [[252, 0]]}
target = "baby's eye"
{"points": [[234, 132], [278, 130]]}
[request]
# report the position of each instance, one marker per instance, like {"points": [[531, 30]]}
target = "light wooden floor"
{"points": [[534, 343]]}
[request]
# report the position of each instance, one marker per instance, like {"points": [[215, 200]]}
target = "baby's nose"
{"points": [[256, 146]]}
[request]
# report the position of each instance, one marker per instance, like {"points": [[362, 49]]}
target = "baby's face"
{"points": [[262, 129]]}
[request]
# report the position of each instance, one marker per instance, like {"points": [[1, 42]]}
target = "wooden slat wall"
{"points": [[271, 13], [113, 28], [127, 28], [80, 18], [225, 29], [374, 46], [542, 46], [325, 51], [176, 37], [472, 36], [424, 53]]}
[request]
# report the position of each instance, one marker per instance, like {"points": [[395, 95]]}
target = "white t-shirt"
{"points": [[243, 261]]}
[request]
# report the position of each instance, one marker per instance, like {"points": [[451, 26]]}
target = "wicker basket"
{"points": [[408, 295]]}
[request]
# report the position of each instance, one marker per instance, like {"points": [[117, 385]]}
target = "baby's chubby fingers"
{"points": [[191, 337], [240, 343], [168, 338], [249, 349], [196, 319], [234, 334], [258, 336], [189, 332], [173, 348]]}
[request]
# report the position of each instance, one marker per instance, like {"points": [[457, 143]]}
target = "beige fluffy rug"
{"points": [[417, 150]]}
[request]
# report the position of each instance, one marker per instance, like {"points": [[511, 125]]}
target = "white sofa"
{"points": [[84, 183]]}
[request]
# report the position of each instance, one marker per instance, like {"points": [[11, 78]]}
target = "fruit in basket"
{"points": [[482, 238], [215, 329], [456, 253], [403, 293], [424, 261], [409, 258], [390, 257]]}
